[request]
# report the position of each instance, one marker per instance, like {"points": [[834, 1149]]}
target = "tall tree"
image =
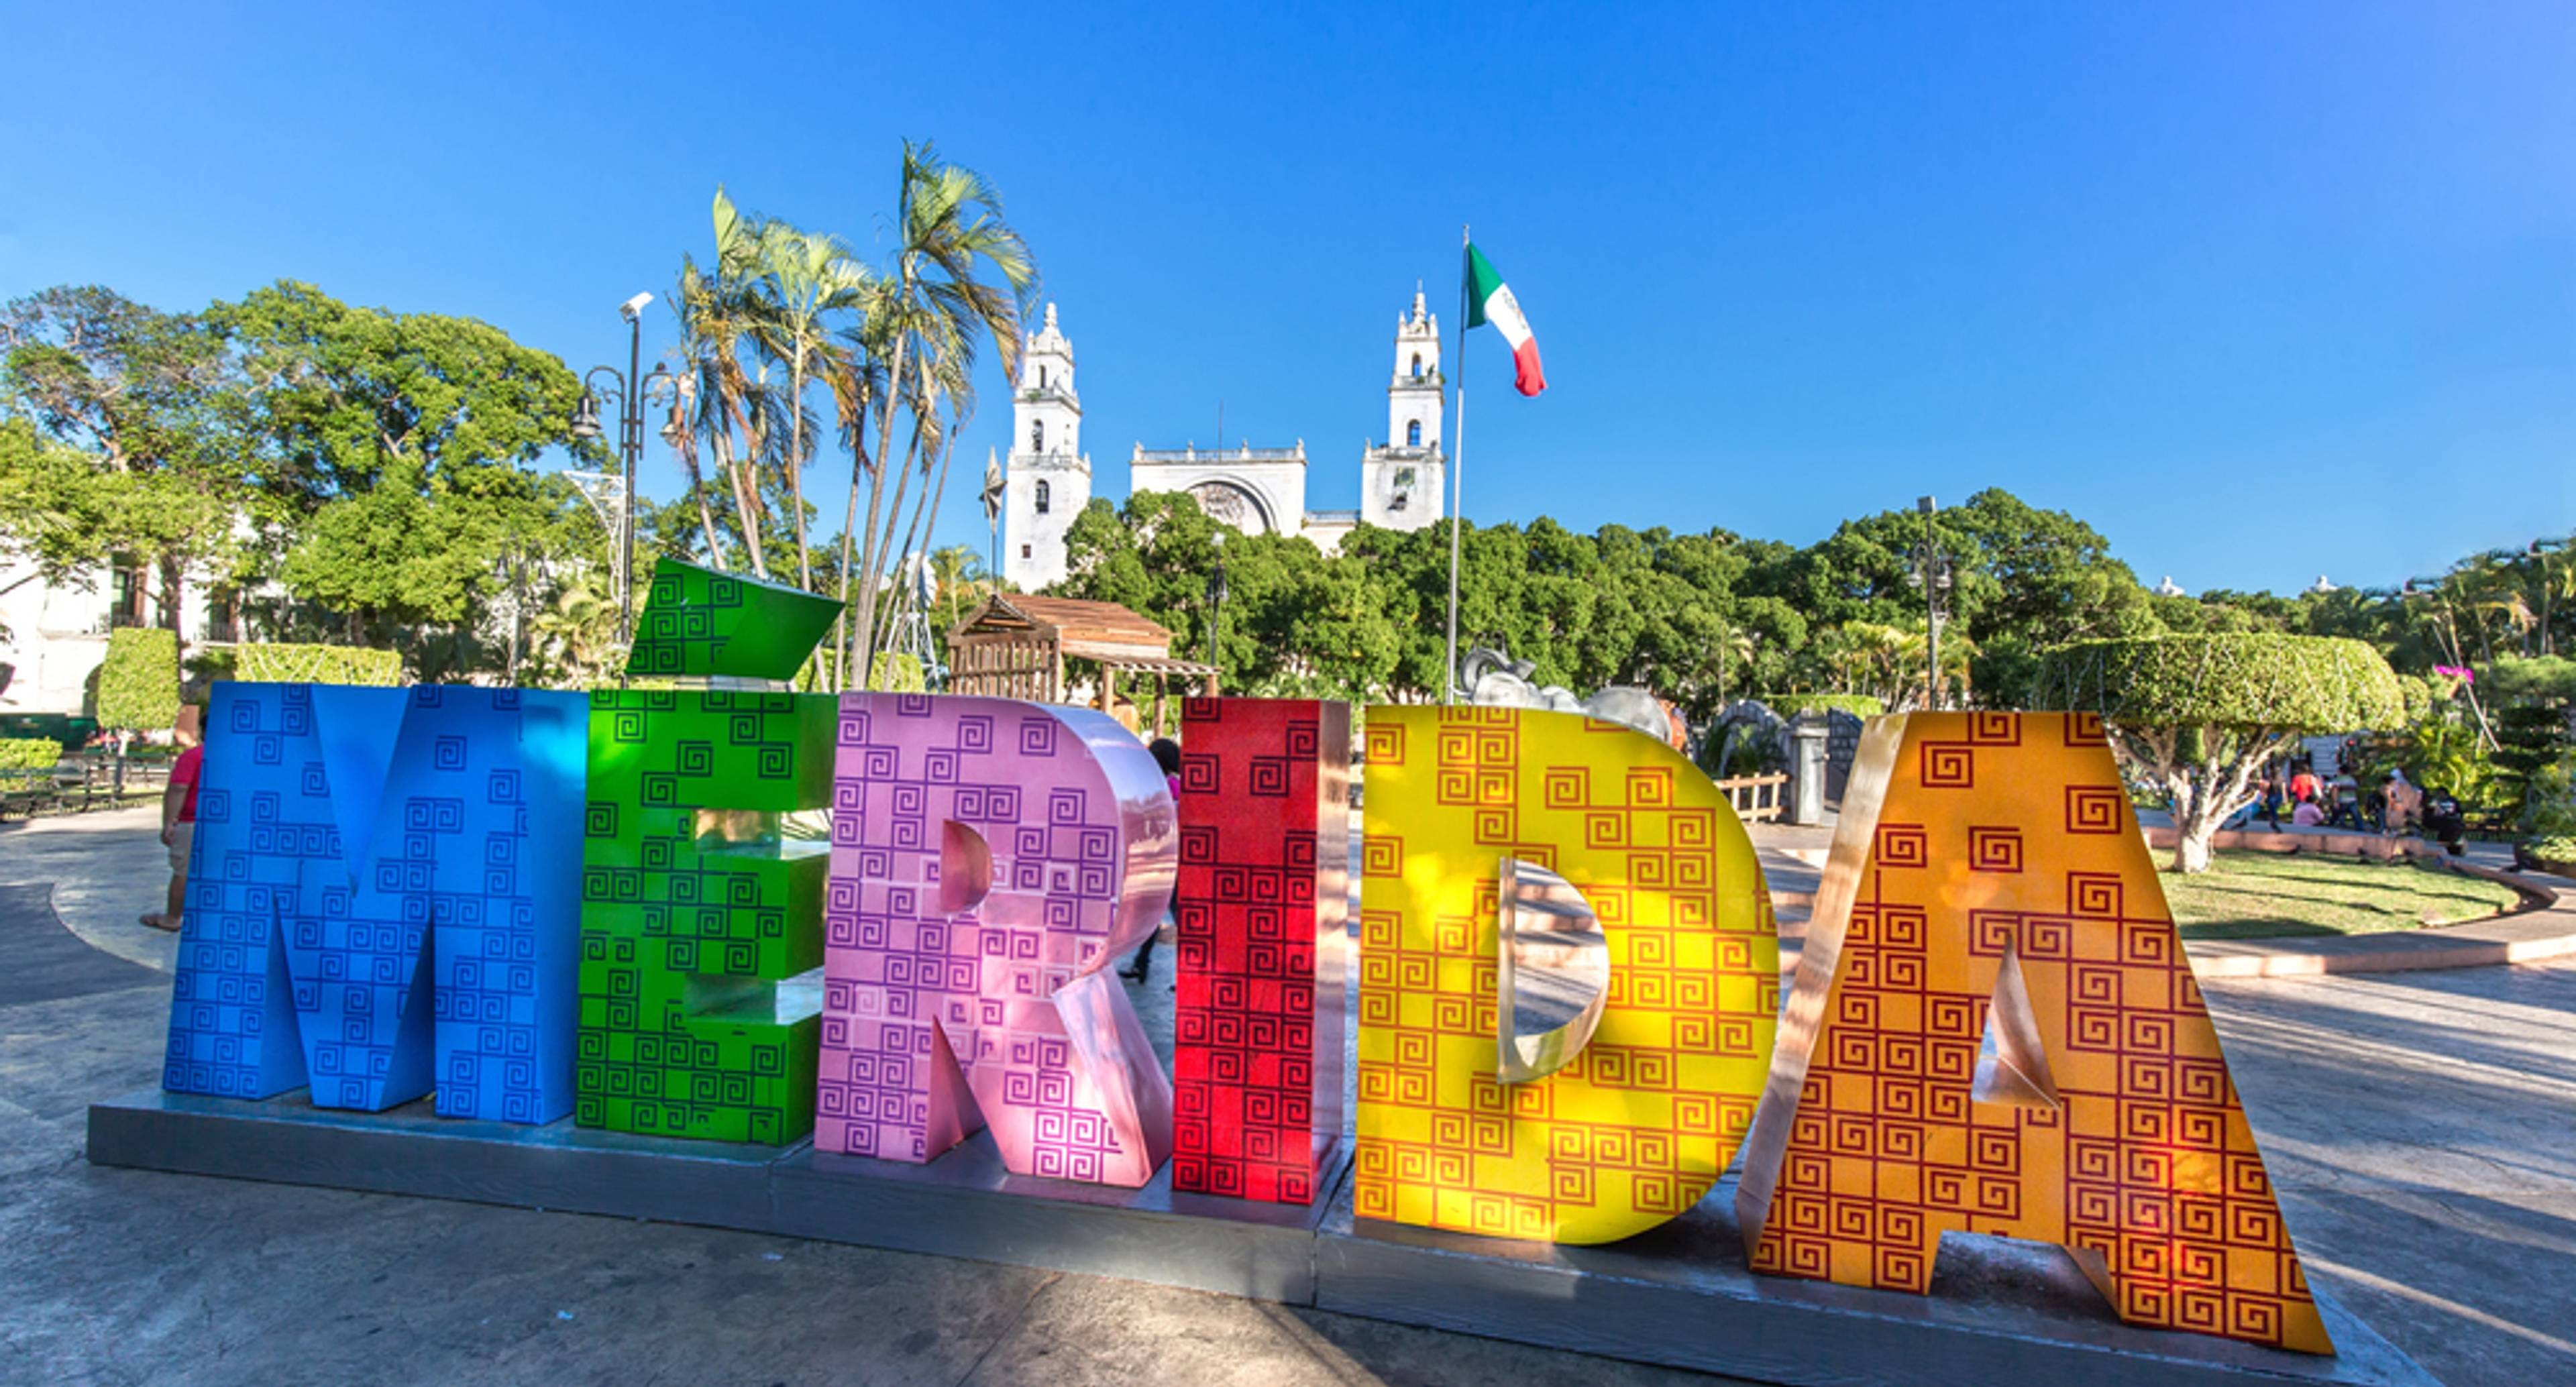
{"points": [[804, 279], [417, 433], [949, 234], [151, 402]]}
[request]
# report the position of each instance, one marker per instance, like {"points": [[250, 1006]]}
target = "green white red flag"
{"points": [[1489, 300]]}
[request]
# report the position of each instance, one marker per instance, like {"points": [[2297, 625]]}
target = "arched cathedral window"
{"points": [[1413, 434], [1042, 498], [1037, 435], [1042, 377], [1417, 365]]}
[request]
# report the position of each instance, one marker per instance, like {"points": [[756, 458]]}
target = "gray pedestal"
{"points": [[2000, 1313]]}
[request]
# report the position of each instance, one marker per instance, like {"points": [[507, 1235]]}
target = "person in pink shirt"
{"points": [[179, 816]]}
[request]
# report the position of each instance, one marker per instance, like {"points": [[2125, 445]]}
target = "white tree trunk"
{"points": [[2203, 791]]}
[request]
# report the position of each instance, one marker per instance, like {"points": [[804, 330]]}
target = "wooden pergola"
{"points": [[1015, 646]]}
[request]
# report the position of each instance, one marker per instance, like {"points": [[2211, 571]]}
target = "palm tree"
{"points": [[960, 581], [714, 315], [858, 381], [949, 228], [805, 277], [684, 441], [954, 381]]}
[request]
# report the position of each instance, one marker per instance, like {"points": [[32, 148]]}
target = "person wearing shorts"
{"points": [[179, 817]]}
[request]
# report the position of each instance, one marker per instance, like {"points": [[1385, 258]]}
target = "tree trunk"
{"points": [[2193, 835], [746, 522], [876, 492], [173, 572], [936, 492], [912, 535], [874, 574], [796, 464], [849, 542], [688, 450]]}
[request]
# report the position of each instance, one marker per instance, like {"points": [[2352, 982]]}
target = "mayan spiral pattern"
{"points": [[988, 860], [346, 835], [698, 622], [2004, 842], [1637, 1126], [685, 937], [1262, 906]]}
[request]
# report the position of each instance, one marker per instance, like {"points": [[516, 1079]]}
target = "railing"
{"points": [[1188, 455], [1757, 798]]}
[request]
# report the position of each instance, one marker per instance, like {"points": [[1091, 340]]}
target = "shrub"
{"points": [[896, 672], [2528, 737], [2287, 683], [23, 758], [2553, 853], [2418, 696], [317, 664], [1791, 705], [138, 686], [2198, 715]]}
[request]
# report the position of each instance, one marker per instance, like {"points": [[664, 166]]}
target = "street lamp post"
{"points": [[628, 392]]}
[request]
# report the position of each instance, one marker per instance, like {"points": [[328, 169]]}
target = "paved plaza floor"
{"points": [[2422, 1128]]}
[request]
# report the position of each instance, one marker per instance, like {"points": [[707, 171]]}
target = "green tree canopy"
{"points": [[2201, 714], [126, 445], [409, 440]]}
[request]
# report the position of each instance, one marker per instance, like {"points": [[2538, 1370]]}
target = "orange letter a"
{"points": [[1989, 892]]}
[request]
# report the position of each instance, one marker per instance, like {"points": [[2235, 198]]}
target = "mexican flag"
{"points": [[1489, 300]]}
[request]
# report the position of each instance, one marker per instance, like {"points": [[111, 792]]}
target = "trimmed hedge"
{"points": [[2286, 683], [138, 686], [1791, 705], [25, 756], [2418, 696], [897, 672], [317, 664]]}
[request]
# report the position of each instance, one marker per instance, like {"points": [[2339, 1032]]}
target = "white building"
{"points": [[1256, 490], [53, 636]]}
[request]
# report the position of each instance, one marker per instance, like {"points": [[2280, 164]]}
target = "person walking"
{"points": [[1167, 754], [179, 817]]}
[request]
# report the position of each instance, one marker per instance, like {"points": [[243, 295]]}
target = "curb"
{"points": [[2542, 928]]}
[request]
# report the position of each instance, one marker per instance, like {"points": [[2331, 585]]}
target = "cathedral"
{"points": [[1255, 490]]}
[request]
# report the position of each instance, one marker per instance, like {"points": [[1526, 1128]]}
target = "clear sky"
{"points": [[2261, 291]]}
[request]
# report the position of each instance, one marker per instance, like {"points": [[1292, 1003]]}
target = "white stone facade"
{"points": [[55, 634], [1256, 490], [1048, 480]]}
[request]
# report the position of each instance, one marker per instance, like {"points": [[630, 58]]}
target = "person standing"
{"points": [[179, 816], [2404, 802], [2303, 784]]}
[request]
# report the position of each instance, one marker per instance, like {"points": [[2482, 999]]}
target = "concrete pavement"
{"points": [[2420, 1128]]}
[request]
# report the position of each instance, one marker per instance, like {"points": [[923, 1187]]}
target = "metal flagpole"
{"points": [[1457, 473]]}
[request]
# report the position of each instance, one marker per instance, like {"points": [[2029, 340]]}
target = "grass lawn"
{"points": [[2252, 895]]}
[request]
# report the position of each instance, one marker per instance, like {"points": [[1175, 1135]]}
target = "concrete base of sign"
{"points": [[1679, 1295], [1999, 1311]]}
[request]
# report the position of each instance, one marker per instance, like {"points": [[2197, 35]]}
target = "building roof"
{"points": [[1089, 630]]}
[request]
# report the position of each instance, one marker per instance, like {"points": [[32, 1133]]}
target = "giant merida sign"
{"points": [[541, 907]]}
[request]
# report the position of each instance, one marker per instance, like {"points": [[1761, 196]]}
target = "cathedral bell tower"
{"points": [[1401, 481], [1048, 480]]}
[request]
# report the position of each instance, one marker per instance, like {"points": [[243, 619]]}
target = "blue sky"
{"points": [[2261, 291]]}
